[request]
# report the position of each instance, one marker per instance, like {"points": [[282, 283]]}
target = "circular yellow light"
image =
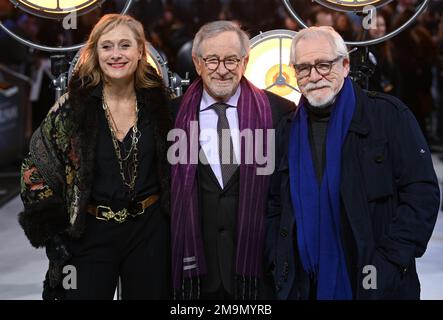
{"points": [[351, 5], [287, 73], [56, 8], [268, 66]]}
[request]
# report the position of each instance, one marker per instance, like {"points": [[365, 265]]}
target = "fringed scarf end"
{"points": [[246, 288], [190, 289]]}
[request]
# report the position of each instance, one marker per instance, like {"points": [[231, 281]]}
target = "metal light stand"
{"points": [[177, 83], [59, 69], [361, 66]]}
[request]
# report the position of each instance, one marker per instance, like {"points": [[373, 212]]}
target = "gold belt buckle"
{"points": [[108, 214]]}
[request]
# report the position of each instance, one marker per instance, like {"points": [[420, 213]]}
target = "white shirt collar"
{"points": [[208, 101]]}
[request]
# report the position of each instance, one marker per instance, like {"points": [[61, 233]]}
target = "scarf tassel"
{"points": [[246, 288], [190, 289]]}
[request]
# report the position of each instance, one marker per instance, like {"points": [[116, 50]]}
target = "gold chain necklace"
{"points": [[130, 176]]}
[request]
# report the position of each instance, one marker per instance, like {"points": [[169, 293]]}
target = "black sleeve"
{"points": [[280, 107], [273, 212], [418, 193]]}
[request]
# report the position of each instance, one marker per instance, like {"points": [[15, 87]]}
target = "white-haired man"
{"points": [[354, 198]]}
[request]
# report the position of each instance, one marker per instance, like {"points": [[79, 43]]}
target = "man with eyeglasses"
{"points": [[218, 206], [354, 198]]}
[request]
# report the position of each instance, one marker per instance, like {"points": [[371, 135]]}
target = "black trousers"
{"points": [[137, 251]]}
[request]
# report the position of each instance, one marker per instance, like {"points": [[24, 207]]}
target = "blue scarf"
{"points": [[317, 208]]}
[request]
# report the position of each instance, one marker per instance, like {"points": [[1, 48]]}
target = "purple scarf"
{"points": [[188, 259]]}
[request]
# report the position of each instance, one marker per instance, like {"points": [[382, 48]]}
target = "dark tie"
{"points": [[227, 169]]}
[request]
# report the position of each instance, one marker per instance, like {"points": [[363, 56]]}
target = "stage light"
{"points": [[351, 5], [268, 66], [56, 9], [355, 7]]}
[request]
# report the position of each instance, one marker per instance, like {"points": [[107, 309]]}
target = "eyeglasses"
{"points": [[323, 68], [230, 63]]}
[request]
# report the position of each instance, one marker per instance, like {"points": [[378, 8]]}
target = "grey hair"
{"points": [[213, 29], [329, 33]]}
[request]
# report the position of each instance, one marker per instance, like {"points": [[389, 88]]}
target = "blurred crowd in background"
{"points": [[409, 66]]}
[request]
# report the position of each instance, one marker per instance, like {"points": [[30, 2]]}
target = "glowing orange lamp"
{"points": [[268, 66]]}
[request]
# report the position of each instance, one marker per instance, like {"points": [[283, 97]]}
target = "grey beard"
{"points": [[323, 106]]}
